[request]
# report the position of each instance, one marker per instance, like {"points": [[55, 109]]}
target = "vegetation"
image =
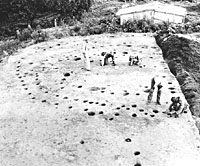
{"points": [[28, 11], [9, 46], [80, 16], [39, 36], [73, 17]]}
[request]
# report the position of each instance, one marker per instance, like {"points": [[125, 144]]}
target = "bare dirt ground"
{"points": [[54, 113]]}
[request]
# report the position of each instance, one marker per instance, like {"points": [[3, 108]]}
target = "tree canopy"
{"points": [[28, 10]]}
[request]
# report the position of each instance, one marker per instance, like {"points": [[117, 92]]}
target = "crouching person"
{"points": [[133, 60], [105, 58], [176, 108]]}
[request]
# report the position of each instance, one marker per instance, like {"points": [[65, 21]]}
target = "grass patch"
{"points": [[10, 46]]}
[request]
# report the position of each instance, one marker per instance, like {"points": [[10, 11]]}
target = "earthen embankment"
{"points": [[183, 58]]}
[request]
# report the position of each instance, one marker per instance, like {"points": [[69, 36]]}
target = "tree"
{"points": [[25, 12], [27, 9], [70, 8], [4, 9]]}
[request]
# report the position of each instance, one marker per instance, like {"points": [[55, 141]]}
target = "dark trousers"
{"points": [[158, 96]]}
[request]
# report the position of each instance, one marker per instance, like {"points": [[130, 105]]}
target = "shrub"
{"points": [[130, 26], [154, 27], [65, 30], [198, 28], [70, 8], [58, 34], [140, 24], [25, 34], [84, 31], [144, 25], [71, 22], [165, 25], [76, 28], [179, 28], [103, 27], [9, 46], [95, 30], [113, 25], [39, 36], [90, 22]]}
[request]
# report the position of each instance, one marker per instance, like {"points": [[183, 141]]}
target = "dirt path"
{"points": [[53, 113]]}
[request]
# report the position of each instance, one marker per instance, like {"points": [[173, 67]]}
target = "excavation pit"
{"points": [[91, 113], [134, 115]]}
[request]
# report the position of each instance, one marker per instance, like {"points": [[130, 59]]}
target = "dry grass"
{"points": [[9, 46]]}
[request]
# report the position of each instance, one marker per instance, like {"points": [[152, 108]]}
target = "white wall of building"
{"points": [[156, 11]]}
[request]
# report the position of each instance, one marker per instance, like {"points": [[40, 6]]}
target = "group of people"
{"points": [[155, 82], [105, 56], [175, 108]]}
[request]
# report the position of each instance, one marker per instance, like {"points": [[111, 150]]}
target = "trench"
{"points": [[183, 58]]}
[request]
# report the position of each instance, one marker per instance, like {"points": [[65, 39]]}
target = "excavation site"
{"points": [[102, 99]]}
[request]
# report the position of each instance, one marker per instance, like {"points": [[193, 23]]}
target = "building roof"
{"points": [[157, 6]]}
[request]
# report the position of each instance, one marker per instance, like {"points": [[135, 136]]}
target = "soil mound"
{"points": [[183, 58]]}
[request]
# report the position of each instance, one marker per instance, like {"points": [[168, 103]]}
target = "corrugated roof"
{"points": [[157, 6]]}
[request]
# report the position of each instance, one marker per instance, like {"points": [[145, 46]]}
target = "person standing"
{"points": [[155, 81], [86, 55], [18, 35], [159, 93]]}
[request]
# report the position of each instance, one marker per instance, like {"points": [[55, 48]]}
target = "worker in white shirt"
{"points": [[86, 55]]}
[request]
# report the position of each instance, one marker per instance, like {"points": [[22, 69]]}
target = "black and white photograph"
{"points": [[99, 82]]}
